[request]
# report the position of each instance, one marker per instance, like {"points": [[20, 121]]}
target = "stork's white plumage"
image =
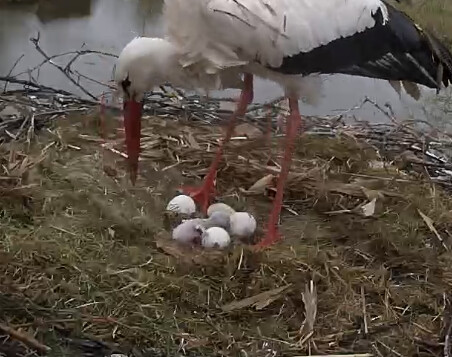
{"points": [[210, 43], [213, 35]]}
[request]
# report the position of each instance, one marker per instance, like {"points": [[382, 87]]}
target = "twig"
{"points": [[389, 348], [31, 129], [81, 52], [26, 83], [429, 222], [12, 69], [22, 337], [366, 329], [21, 128], [94, 80], [85, 52], [35, 41], [38, 66], [397, 180], [447, 340]]}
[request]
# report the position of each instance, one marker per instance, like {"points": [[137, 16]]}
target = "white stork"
{"points": [[209, 44]]}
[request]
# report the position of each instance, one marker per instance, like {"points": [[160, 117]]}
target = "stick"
{"points": [[12, 69], [22, 337], [86, 52], [366, 329], [94, 80], [80, 53], [35, 41], [447, 340], [33, 85]]}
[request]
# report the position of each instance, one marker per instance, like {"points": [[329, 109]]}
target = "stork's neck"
{"points": [[154, 61]]}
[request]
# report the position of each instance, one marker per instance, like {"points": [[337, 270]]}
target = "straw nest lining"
{"points": [[364, 266]]}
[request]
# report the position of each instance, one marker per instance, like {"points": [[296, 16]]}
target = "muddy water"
{"points": [[107, 25]]}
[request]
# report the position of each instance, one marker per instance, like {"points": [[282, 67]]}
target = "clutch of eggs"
{"points": [[216, 230], [241, 224]]}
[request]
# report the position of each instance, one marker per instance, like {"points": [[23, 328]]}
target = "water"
{"points": [[107, 25]]}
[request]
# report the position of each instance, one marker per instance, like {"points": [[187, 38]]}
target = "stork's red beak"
{"points": [[132, 126]]}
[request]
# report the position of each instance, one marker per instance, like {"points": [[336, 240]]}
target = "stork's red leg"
{"points": [[293, 125], [268, 133], [203, 195]]}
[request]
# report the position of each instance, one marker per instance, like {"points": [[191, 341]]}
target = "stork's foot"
{"points": [[203, 195], [271, 237]]}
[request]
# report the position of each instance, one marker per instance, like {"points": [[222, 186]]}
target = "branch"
{"points": [[448, 326], [35, 42], [80, 75], [11, 71], [22, 337], [80, 53], [33, 85], [86, 52]]}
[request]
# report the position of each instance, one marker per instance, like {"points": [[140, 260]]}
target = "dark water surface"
{"points": [[107, 25]]}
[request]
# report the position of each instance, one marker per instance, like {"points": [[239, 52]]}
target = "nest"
{"points": [[87, 266]]}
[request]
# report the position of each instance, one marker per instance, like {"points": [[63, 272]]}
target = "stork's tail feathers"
{"points": [[405, 52], [412, 89]]}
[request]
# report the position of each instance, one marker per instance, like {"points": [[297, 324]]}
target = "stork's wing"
{"points": [[233, 32], [358, 37]]}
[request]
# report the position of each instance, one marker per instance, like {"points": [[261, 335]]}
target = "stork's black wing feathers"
{"points": [[442, 54], [397, 50]]}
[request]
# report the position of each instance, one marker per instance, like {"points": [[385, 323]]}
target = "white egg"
{"points": [[187, 232], [219, 207], [182, 204], [215, 237], [242, 225]]}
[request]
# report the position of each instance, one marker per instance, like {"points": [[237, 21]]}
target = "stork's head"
{"points": [[143, 64]]}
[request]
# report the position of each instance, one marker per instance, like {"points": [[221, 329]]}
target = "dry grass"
{"points": [[86, 255]]}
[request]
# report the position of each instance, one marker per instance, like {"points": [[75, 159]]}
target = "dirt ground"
{"points": [[87, 263]]}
